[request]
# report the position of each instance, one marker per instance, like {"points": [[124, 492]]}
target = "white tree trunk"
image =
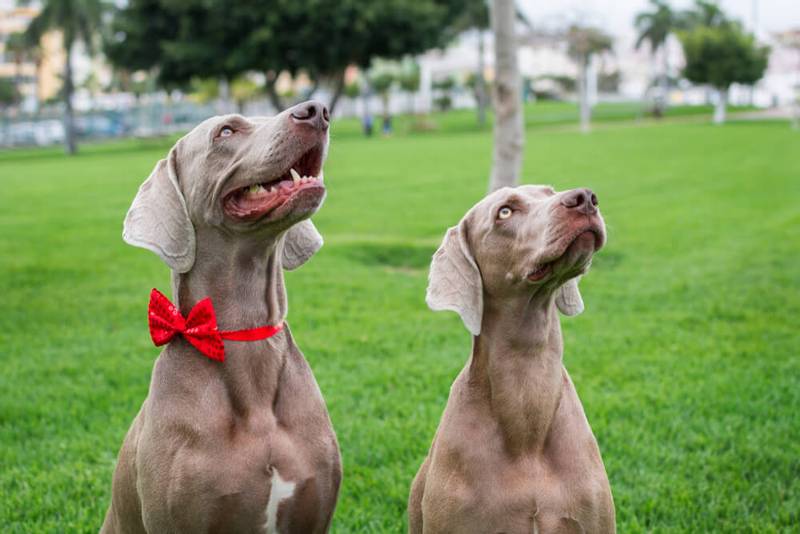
{"points": [[719, 107], [509, 136], [480, 81], [70, 136], [583, 91], [665, 73]]}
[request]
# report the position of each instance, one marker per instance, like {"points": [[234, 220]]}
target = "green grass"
{"points": [[686, 358], [545, 113]]}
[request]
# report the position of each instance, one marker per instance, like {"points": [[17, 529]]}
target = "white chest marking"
{"points": [[279, 490]]}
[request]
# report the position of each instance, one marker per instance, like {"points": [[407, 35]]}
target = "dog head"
{"points": [[528, 240], [248, 178]]}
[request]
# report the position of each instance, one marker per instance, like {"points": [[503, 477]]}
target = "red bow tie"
{"points": [[199, 329]]}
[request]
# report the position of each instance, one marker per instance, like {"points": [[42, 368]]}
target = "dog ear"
{"points": [[300, 242], [158, 219], [568, 298], [454, 282]]}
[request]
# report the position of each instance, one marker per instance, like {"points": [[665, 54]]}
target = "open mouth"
{"points": [[540, 272], [544, 269], [263, 199]]}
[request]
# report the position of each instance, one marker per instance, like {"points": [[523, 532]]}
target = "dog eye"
{"points": [[226, 131], [504, 213]]}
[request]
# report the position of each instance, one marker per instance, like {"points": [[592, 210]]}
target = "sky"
{"points": [[616, 16]]}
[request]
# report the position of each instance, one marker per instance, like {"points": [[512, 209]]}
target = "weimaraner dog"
{"points": [[514, 452], [245, 444]]}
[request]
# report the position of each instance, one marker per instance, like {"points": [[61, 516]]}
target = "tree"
{"points": [[77, 20], [443, 88], [381, 78], [243, 89], [474, 15], [408, 80], [704, 13], [509, 135], [791, 39], [721, 56], [35, 55], [17, 48], [9, 95], [654, 27], [583, 42], [468, 15], [217, 38], [352, 90]]}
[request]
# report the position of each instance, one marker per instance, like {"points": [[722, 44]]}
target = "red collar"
{"points": [[199, 329]]}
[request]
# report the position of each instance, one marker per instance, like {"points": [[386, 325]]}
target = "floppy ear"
{"points": [[454, 282], [300, 242], [158, 219], [568, 299]]}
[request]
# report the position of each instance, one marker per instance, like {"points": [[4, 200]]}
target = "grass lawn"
{"points": [[686, 358]]}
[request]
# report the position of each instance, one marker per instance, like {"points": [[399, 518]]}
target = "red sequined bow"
{"points": [[199, 329]]}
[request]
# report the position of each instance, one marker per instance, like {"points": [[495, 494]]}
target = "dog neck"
{"points": [[243, 279], [517, 366]]}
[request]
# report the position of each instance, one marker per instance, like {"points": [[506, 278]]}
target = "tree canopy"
{"points": [[9, 95], [706, 13], [584, 41], [723, 55], [215, 38], [655, 26]]}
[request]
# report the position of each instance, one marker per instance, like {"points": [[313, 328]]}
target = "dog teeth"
{"points": [[297, 179], [295, 175], [255, 188]]}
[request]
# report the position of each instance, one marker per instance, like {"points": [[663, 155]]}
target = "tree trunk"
{"points": [[313, 89], [338, 89], [509, 136], [480, 81], [38, 86], [664, 79], [18, 73], [272, 93], [70, 145], [583, 90], [719, 107], [385, 104]]}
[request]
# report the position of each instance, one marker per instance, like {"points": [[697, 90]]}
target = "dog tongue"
{"points": [[247, 204]]}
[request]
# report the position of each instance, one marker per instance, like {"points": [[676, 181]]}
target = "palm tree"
{"points": [[583, 42], [77, 20], [654, 27], [704, 13]]}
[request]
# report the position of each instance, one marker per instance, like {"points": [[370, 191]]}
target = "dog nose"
{"points": [[583, 200], [311, 113]]}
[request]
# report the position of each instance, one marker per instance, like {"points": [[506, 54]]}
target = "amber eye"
{"points": [[504, 213], [226, 131]]}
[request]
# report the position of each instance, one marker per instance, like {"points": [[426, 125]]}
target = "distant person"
{"points": [[387, 124], [366, 121]]}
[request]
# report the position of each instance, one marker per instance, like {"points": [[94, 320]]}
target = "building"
{"points": [[37, 71]]}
